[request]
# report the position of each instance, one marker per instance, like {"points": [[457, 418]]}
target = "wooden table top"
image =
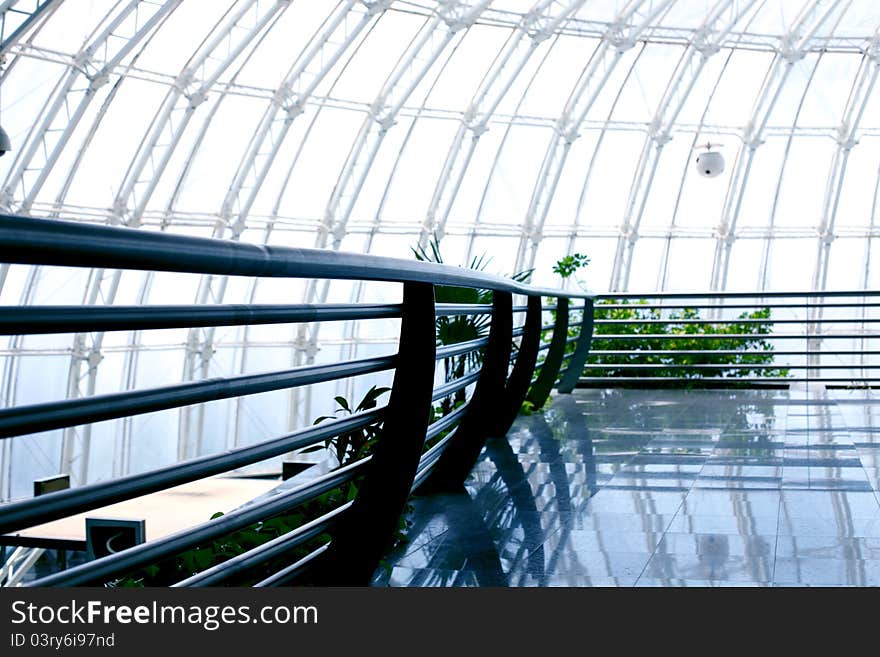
{"points": [[165, 512]]}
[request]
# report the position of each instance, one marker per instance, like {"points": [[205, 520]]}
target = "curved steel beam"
{"points": [[18, 18], [536, 26], [793, 48], [847, 138], [336, 37], [90, 70], [631, 22], [337, 34], [92, 355], [421, 54], [424, 50], [499, 151], [230, 38], [236, 31], [720, 21], [299, 413], [764, 272]]}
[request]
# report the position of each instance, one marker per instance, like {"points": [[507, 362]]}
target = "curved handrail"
{"points": [[25, 240], [398, 462]]}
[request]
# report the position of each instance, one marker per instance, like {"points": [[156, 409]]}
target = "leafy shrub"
{"points": [[460, 328], [759, 351], [354, 445], [568, 265]]}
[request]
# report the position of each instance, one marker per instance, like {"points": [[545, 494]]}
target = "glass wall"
{"points": [[519, 129]]}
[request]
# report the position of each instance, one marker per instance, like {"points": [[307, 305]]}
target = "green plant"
{"points": [[354, 445], [460, 328], [569, 264], [437, 413], [565, 267], [185, 564], [752, 349], [726, 337]]}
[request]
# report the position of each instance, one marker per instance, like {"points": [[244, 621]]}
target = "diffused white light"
{"points": [[710, 164]]}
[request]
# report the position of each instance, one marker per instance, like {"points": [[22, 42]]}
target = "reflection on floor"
{"points": [[663, 488]]}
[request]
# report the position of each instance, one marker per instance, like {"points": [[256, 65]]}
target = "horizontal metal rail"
{"points": [[719, 322], [452, 309], [724, 352], [461, 348], [70, 244], [29, 320], [735, 336], [820, 294], [429, 460], [726, 366], [54, 415], [388, 474], [291, 572], [26, 513], [733, 306], [432, 454], [451, 387], [817, 319], [277, 547], [444, 423], [552, 308], [146, 553], [772, 381]]}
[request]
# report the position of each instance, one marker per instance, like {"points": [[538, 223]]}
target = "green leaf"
{"points": [[448, 294], [370, 399]]}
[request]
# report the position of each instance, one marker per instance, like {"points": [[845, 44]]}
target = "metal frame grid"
{"points": [[74, 138]]}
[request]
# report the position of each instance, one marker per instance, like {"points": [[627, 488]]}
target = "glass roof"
{"points": [[529, 129], [523, 129]]}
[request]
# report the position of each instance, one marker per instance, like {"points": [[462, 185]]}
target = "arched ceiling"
{"points": [[524, 129], [528, 128]]}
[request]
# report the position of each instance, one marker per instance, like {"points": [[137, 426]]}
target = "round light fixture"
{"points": [[710, 163], [5, 144]]}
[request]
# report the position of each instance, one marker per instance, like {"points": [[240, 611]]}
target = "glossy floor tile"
{"points": [[662, 488]]}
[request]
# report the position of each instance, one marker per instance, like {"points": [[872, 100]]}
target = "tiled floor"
{"points": [[663, 488]]}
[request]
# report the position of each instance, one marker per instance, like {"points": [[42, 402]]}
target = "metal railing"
{"points": [[736, 338], [360, 529]]}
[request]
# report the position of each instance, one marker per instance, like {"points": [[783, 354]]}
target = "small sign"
{"points": [[51, 484], [106, 536]]}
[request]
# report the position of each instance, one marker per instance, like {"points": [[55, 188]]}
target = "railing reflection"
{"points": [[674, 488]]}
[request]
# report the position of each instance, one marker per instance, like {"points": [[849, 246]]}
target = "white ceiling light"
{"points": [[711, 162]]}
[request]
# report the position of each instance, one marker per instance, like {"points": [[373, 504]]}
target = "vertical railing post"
{"points": [[570, 377], [362, 538], [478, 422], [550, 369], [521, 377]]}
